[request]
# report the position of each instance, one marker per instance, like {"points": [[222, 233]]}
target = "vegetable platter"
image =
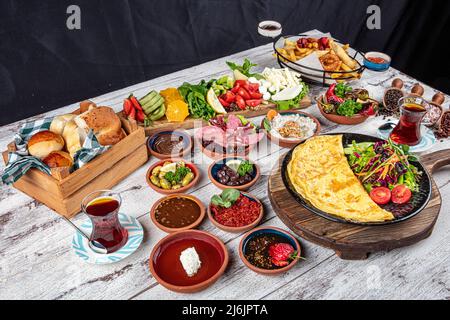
{"points": [[242, 92]]}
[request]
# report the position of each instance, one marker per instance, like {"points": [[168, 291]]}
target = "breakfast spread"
{"points": [[367, 182]]}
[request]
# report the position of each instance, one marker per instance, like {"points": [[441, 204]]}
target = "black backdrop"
{"points": [[43, 65]]}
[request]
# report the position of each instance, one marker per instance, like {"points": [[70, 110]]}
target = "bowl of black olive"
{"points": [[234, 172]]}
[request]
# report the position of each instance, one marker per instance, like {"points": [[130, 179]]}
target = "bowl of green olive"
{"points": [[172, 176]]}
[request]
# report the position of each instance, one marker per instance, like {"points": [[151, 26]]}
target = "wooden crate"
{"points": [[63, 191]]}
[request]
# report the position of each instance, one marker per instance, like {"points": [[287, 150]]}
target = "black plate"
{"points": [[418, 201]]}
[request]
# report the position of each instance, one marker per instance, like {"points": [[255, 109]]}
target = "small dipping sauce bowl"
{"points": [[270, 28], [377, 61]]}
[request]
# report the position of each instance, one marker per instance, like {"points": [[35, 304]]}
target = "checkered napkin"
{"points": [[20, 161]]}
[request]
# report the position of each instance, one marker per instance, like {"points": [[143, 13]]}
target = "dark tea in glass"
{"points": [[102, 207], [412, 111]]}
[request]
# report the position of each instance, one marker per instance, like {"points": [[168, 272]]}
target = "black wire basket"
{"points": [[314, 75]]}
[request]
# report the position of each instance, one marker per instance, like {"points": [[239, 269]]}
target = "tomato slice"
{"points": [[244, 94], [401, 194], [241, 83], [380, 195], [240, 102]]}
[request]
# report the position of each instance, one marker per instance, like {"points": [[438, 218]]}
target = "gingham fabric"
{"points": [[20, 161]]}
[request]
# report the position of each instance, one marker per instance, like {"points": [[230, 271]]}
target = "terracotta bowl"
{"points": [[289, 143], [217, 165], [190, 165], [356, 119], [216, 242], [238, 229], [187, 141], [262, 230], [193, 225], [219, 155]]}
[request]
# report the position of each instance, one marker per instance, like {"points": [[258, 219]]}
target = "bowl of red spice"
{"points": [[235, 211], [269, 250]]}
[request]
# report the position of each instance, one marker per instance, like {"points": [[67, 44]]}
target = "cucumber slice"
{"points": [[151, 108], [158, 114], [148, 97]]}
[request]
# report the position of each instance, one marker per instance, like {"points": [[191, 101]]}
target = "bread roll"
{"points": [[104, 122], [59, 122], [58, 159], [74, 137], [87, 105], [43, 143]]}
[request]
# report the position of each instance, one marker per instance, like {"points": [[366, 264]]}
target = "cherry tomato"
{"points": [[223, 101], [256, 95], [229, 97], [240, 102], [244, 94], [380, 195], [252, 87], [401, 194], [253, 103], [235, 88], [241, 83]]}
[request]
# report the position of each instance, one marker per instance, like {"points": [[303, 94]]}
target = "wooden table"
{"points": [[36, 260]]}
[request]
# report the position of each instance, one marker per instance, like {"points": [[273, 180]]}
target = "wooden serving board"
{"points": [[191, 123], [353, 242]]}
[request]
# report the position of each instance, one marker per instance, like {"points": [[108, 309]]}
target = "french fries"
{"points": [[293, 52]]}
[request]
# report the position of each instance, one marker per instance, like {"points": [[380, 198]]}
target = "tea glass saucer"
{"points": [[426, 142], [81, 247]]}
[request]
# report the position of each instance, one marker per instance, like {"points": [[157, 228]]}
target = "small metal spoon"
{"points": [[94, 245]]}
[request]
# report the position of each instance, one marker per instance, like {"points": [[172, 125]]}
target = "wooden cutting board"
{"points": [[191, 123], [353, 242]]}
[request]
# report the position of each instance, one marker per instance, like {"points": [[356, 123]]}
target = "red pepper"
{"points": [[127, 107], [331, 96], [240, 102], [136, 103], [223, 102], [244, 94], [140, 116], [132, 114], [253, 103]]}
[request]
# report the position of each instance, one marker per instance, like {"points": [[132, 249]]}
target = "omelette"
{"points": [[320, 173]]}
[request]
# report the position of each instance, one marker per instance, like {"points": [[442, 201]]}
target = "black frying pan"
{"points": [[418, 201]]}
